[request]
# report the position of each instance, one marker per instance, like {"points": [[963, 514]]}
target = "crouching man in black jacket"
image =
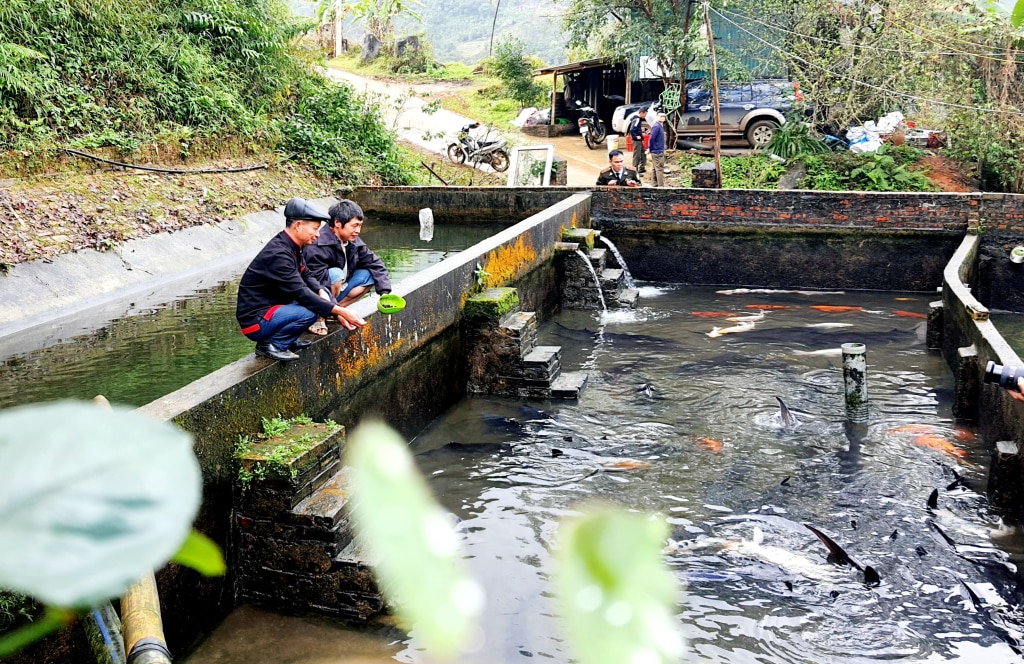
{"points": [[277, 298]]}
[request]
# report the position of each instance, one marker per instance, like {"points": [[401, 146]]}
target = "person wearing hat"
{"points": [[342, 263], [277, 299]]}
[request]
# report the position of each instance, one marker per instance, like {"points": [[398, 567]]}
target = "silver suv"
{"points": [[751, 110]]}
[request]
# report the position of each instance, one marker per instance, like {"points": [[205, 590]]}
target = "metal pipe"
{"points": [[855, 366]]}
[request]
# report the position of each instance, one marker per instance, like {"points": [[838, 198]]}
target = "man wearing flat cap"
{"points": [[277, 298]]}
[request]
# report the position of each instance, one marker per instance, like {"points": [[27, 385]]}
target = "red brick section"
{"points": [[817, 210]]}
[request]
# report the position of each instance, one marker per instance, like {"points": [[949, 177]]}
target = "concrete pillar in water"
{"points": [[934, 329], [1004, 487], [426, 224], [967, 374], [855, 368]]}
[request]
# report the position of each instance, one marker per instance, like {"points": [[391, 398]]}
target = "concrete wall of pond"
{"points": [[403, 369], [797, 238]]}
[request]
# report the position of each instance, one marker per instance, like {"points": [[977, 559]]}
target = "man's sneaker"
{"points": [[275, 353]]}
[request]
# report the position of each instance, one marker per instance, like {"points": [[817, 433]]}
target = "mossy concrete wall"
{"points": [[404, 369], [458, 204]]}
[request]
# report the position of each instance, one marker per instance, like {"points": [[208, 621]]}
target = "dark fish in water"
{"points": [[933, 499], [894, 535], [949, 540], [647, 389], [853, 524], [555, 452], [785, 416], [505, 425], [838, 556], [785, 481], [920, 550]]}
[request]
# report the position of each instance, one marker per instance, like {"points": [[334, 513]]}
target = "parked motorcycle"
{"points": [[481, 150], [591, 127]]}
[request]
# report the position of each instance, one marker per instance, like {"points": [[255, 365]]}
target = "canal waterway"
{"points": [[700, 413], [152, 348]]}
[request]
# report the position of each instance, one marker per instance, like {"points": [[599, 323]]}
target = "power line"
{"points": [[862, 83]]}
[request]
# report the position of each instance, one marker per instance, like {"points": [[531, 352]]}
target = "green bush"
{"points": [[339, 134], [516, 72], [885, 170]]}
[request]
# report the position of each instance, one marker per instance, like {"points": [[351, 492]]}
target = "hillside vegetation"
{"points": [[178, 78]]}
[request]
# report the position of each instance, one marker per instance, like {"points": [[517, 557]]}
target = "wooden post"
{"points": [[714, 91], [554, 92]]}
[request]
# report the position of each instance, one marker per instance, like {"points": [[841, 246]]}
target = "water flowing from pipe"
{"points": [[622, 262], [597, 280]]}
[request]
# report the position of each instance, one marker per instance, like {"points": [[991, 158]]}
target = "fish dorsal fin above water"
{"points": [[836, 554], [785, 415], [871, 577], [933, 499]]}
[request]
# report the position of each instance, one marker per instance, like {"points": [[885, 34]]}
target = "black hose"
{"points": [[174, 171]]}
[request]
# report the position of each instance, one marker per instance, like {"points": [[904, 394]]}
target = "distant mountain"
{"points": [[460, 30]]}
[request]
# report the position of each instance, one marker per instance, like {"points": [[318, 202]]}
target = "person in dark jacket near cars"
{"points": [[342, 263], [277, 298], [636, 134]]}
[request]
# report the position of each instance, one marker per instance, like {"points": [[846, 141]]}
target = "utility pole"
{"points": [[490, 46], [714, 92]]}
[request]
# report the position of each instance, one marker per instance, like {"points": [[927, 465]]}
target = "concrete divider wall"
{"points": [[997, 416], [402, 368], [458, 204], [796, 238]]}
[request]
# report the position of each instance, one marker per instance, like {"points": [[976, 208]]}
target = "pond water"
{"points": [[702, 413], [157, 347]]}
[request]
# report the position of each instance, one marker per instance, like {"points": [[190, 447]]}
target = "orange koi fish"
{"points": [[906, 299], [913, 428], [908, 314], [710, 444], [772, 307], [711, 314], [941, 444], [626, 464], [835, 308], [965, 435]]}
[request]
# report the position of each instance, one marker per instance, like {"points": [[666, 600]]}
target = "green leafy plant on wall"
{"points": [[261, 461], [90, 501]]}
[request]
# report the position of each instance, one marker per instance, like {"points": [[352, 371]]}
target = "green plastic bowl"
{"points": [[390, 304]]}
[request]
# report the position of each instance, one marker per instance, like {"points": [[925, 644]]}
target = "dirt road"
{"points": [[405, 107]]}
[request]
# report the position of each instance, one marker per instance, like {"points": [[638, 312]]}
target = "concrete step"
{"points": [[519, 324], [628, 297], [598, 258], [568, 385]]}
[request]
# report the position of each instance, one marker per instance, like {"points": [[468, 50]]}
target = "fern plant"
{"points": [[793, 139]]}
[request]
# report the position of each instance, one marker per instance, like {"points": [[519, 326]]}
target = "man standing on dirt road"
{"points": [[276, 299], [636, 134], [657, 149]]}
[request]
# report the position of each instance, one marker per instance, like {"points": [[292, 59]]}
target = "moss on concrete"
{"points": [[581, 236], [493, 303]]}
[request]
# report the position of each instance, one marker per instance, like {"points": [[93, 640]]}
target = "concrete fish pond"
{"points": [[738, 438], [686, 426]]}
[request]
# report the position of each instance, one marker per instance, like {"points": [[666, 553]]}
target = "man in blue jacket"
{"points": [[656, 147], [277, 299], [341, 262]]}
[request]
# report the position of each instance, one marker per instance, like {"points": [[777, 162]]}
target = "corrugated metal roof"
{"points": [[575, 66]]}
